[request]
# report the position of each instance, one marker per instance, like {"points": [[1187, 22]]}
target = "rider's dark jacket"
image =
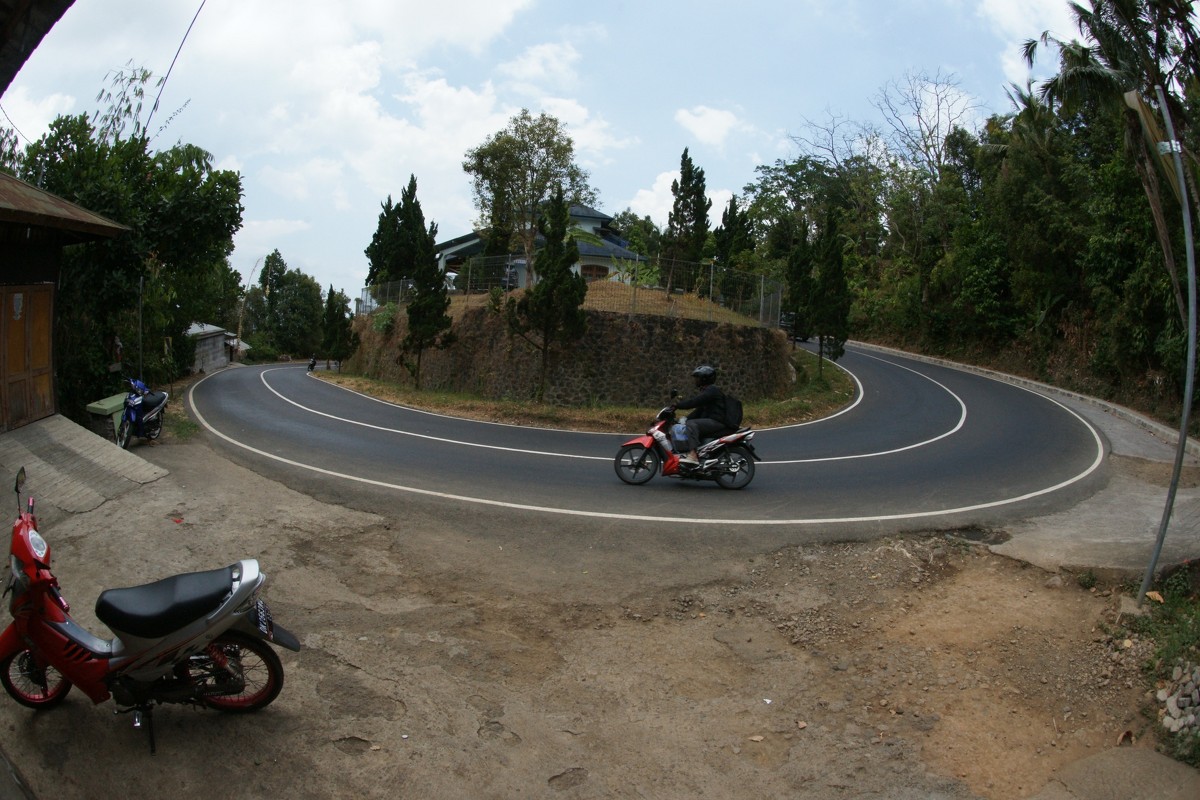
{"points": [[709, 404]]}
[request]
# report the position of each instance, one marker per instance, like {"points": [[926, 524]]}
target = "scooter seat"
{"points": [[154, 610], [152, 400]]}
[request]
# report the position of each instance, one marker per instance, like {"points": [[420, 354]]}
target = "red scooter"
{"points": [[198, 638], [728, 459]]}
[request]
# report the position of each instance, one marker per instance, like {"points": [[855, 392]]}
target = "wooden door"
{"points": [[26, 356]]}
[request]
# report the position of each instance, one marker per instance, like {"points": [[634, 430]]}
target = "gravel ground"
{"points": [[440, 660]]}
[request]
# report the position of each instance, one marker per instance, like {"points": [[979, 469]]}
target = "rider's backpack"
{"points": [[733, 411]]}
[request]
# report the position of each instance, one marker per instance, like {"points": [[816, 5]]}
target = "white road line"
{"points": [[858, 399], [659, 519], [263, 377]]}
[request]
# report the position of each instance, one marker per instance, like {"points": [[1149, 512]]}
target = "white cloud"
{"points": [[32, 116], [656, 201], [592, 135], [710, 126], [542, 65], [261, 237], [720, 201], [1020, 20]]}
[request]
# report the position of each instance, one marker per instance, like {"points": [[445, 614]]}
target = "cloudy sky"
{"points": [[326, 108]]}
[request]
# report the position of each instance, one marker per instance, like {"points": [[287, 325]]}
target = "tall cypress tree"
{"points": [[800, 282], [381, 252], [687, 224], [400, 241], [733, 238], [428, 323], [830, 300], [338, 339], [551, 311]]}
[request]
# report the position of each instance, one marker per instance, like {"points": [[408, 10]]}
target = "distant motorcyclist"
{"points": [[312, 363], [708, 412]]}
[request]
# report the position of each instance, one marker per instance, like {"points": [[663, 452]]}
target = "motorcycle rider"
{"points": [[708, 412]]}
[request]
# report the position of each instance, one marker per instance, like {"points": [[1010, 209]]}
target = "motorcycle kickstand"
{"points": [[143, 716]]}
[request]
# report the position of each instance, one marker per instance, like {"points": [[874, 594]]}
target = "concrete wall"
{"points": [[624, 359], [211, 353]]}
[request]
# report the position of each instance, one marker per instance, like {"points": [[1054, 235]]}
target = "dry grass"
{"points": [[812, 399], [621, 298]]}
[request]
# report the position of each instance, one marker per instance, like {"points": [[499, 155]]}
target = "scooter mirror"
{"points": [[20, 482]]}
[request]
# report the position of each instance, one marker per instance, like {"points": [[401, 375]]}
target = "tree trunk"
{"points": [[1149, 179]]}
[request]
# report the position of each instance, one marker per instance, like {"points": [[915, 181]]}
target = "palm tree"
{"points": [[1130, 46]]}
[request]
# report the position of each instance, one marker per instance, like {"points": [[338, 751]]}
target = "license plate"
{"points": [[262, 618]]}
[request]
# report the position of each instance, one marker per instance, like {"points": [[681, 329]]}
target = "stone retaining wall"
{"points": [[623, 359]]}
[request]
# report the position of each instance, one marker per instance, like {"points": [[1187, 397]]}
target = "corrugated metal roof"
{"points": [[23, 204], [203, 329]]}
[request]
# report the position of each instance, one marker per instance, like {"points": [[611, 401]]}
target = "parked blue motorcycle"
{"points": [[143, 415]]}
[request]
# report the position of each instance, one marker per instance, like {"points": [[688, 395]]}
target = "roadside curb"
{"points": [[1155, 428]]}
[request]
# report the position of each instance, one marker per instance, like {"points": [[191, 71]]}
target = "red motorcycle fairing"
{"points": [[77, 663], [670, 464], [10, 642]]}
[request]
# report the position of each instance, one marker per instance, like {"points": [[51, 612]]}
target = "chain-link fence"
{"points": [[657, 287]]}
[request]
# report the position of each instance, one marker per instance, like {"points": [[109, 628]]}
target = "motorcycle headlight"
{"points": [[38, 544]]}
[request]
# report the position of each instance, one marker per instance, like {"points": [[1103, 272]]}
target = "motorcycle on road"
{"points": [[201, 638], [728, 459]]}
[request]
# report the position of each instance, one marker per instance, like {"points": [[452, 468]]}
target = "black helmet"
{"points": [[704, 375]]}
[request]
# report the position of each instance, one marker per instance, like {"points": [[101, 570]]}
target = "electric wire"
{"points": [[163, 85]]}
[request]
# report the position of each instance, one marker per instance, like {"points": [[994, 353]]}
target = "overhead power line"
{"points": [[163, 85]]}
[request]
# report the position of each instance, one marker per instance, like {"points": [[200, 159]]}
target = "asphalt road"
{"points": [[920, 446]]}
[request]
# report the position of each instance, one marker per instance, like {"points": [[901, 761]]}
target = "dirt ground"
{"points": [[437, 664]]}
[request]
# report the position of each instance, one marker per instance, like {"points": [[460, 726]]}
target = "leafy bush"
{"points": [[384, 320]]}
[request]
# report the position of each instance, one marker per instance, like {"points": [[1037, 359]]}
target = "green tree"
{"points": [[269, 322], [401, 244], [687, 223], [173, 263], [733, 242], [284, 312], [337, 330], [10, 153], [551, 312], [1131, 46], [798, 300], [382, 251], [428, 322], [514, 173], [643, 236], [829, 304], [298, 313]]}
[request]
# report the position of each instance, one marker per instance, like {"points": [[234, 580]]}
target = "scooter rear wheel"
{"points": [[30, 684], [252, 659], [635, 464], [736, 468]]}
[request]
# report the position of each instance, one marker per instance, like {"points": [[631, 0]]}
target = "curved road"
{"points": [[921, 446]]}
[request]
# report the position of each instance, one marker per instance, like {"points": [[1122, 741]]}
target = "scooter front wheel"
{"points": [[123, 434], [636, 464], [236, 673], [31, 684]]}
